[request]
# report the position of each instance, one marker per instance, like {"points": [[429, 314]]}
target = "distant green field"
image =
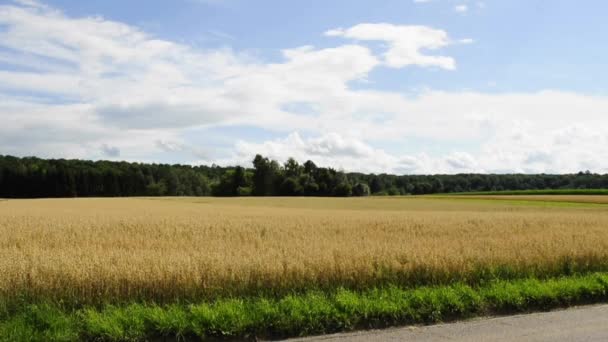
{"points": [[529, 199], [534, 192]]}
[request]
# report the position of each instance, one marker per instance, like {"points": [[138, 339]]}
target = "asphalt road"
{"points": [[588, 323]]}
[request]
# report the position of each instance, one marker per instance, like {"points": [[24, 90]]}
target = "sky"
{"points": [[395, 86]]}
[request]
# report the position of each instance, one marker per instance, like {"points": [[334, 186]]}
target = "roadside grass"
{"points": [[312, 312]]}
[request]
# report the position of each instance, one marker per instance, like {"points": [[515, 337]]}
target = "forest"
{"points": [[32, 177]]}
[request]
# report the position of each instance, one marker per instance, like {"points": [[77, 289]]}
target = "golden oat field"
{"points": [[165, 249]]}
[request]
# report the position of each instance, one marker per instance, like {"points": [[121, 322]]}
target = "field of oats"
{"points": [[166, 250]]}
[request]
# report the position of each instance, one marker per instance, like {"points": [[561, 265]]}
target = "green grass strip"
{"points": [[531, 202], [534, 192], [298, 315]]}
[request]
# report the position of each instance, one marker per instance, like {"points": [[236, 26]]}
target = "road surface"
{"points": [[588, 323]]}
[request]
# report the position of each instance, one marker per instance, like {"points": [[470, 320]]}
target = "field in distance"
{"points": [[550, 200], [167, 249], [537, 192]]}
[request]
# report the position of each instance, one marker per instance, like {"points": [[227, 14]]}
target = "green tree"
{"points": [[291, 187], [156, 189], [292, 168], [343, 189], [361, 189], [265, 176]]}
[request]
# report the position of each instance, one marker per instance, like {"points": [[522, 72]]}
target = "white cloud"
{"points": [[404, 43], [169, 146], [331, 149], [511, 133], [110, 151], [461, 161], [30, 3], [462, 8], [515, 150]]}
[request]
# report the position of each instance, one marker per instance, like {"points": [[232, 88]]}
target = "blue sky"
{"points": [[557, 44], [403, 86]]}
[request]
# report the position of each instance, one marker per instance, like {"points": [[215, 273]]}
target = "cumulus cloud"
{"points": [[348, 153], [331, 149], [462, 8], [507, 153], [169, 146], [110, 151], [461, 161], [405, 43]]}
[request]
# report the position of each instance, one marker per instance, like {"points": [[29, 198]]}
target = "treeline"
{"points": [[34, 177]]}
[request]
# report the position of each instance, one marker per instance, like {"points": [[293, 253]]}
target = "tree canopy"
{"points": [[32, 177]]}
